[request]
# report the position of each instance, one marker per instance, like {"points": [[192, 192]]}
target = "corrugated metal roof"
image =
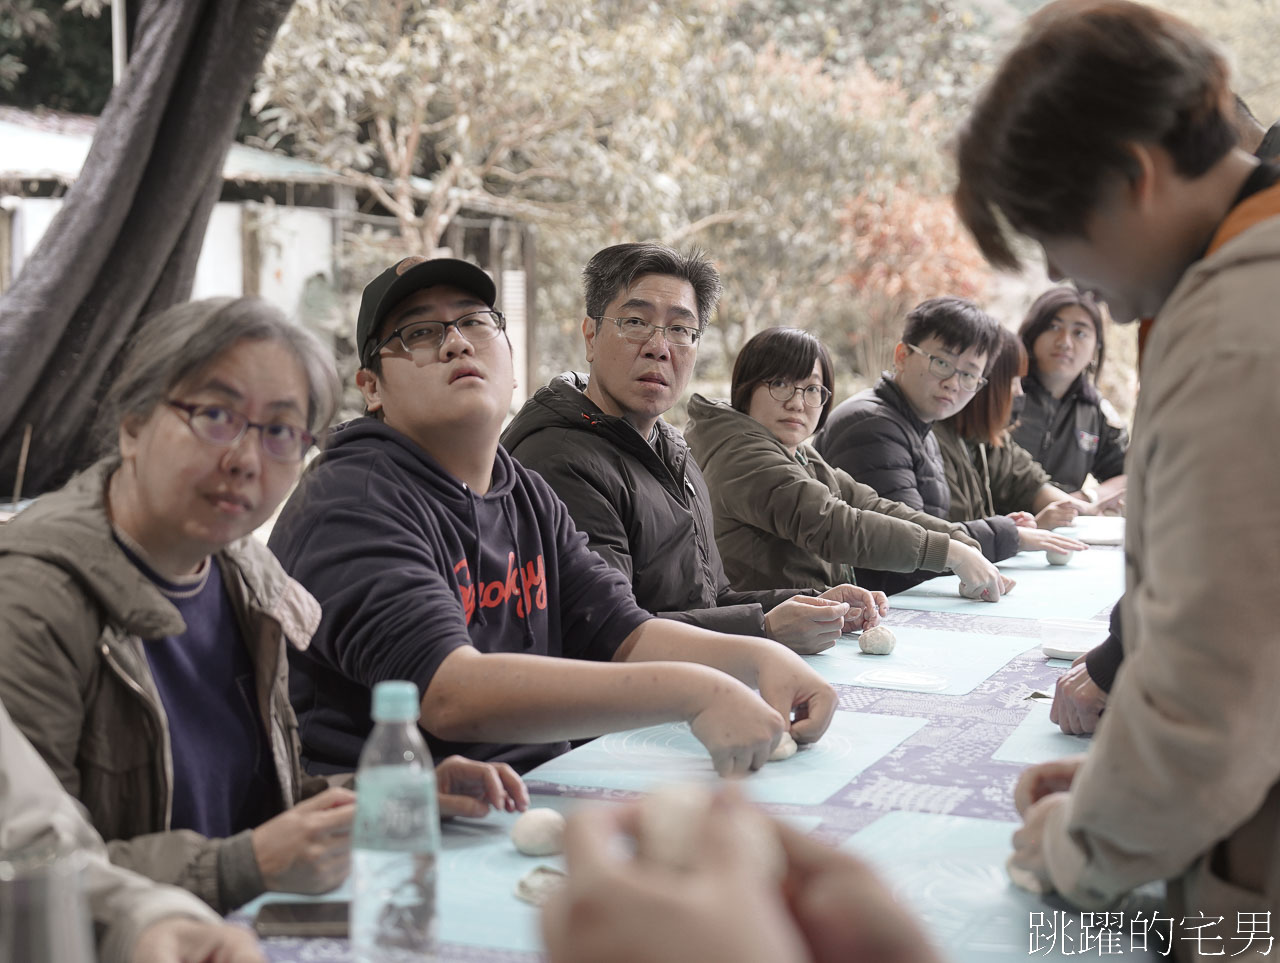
{"points": [[50, 146]]}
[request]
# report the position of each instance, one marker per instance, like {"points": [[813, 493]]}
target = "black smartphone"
{"points": [[302, 918]]}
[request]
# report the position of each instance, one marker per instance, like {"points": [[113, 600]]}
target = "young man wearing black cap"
{"points": [[437, 558]]}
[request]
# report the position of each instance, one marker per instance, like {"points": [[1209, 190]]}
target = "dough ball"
{"points": [[539, 832], [540, 883], [1058, 558], [785, 750], [673, 820], [879, 640]]}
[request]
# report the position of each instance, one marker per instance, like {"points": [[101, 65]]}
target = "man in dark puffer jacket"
{"points": [[883, 436]]}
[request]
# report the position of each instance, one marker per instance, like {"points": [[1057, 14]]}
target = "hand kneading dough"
{"points": [[674, 818], [1058, 558], [786, 748], [1024, 879], [877, 641], [539, 832]]}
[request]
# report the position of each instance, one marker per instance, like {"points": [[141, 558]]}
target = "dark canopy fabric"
{"points": [[126, 241]]}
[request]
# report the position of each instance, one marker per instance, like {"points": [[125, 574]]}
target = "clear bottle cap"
{"points": [[395, 702]]}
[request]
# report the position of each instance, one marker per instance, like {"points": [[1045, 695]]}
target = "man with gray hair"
{"points": [[626, 476]]}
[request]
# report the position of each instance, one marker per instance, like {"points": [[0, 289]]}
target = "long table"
{"points": [[915, 775]]}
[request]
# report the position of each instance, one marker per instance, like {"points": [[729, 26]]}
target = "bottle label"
{"points": [[396, 808]]}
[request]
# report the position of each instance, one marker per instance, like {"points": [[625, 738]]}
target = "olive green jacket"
{"points": [[73, 675], [784, 520], [987, 481]]}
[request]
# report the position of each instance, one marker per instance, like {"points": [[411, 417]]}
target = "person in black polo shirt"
{"points": [[1070, 429]]}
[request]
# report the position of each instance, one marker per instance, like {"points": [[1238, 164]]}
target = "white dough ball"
{"points": [[785, 749], [539, 832], [1058, 558], [540, 884], [674, 818], [879, 640]]}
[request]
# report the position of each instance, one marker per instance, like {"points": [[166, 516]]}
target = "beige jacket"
{"points": [[35, 811], [75, 679], [1183, 779]]}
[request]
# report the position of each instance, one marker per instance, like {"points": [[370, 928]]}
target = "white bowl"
{"points": [[1070, 638]]}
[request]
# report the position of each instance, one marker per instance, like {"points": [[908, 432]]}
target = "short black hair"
{"points": [[787, 353], [958, 323], [616, 268], [1053, 127]]}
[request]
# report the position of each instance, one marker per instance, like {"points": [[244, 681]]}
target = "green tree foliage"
{"points": [[623, 120], [55, 54]]}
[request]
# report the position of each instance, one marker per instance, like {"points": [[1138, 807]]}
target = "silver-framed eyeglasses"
{"points": [[475, 326], [224, 427], [942, 369], [815, 396], [638, 331]]}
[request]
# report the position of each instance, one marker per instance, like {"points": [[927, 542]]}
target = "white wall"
{"points": [[295, 244], [220, 269], [31, 218], [513, 308]]}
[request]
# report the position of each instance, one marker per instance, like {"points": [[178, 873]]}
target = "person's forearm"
{"points": [[1112, 487], [508, 697], [659, 640], [1048, 494]]}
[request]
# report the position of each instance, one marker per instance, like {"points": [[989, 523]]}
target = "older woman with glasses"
{"points": [[783, 516], [143, 635]]}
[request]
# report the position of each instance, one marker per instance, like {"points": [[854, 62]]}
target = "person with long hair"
{"points": [[1066, 425], [783, 516], [988, 473], [1106, 137]]}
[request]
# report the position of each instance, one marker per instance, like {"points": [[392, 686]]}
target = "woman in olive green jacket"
{"points": [[783, 516], [990, 475]]}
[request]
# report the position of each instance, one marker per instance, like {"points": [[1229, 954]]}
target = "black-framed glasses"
{"points": [[638, 331], [942, 369], [475, 326], [226, 426], [814, 396]]}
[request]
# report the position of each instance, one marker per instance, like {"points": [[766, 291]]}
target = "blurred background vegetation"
{"points": [[804, 146]]}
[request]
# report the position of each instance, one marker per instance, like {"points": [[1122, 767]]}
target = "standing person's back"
{"points": [[1155, 209]]}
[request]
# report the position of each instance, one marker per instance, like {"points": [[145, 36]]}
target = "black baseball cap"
{"points": [[413, 274]]}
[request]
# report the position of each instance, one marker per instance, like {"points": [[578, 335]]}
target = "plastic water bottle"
{"points": [[396, 837]]}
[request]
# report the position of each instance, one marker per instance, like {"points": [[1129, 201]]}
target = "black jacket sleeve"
{"points": [[997, 536], [1103, 660]]}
